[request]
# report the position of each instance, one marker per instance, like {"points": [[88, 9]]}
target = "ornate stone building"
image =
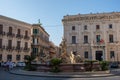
{"points": [[40, 43], [15, 39], [93, 36]]}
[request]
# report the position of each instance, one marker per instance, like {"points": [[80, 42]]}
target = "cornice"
{"points": [[11, 20], [92, 17], [39, 26]]}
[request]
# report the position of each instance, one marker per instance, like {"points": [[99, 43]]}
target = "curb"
{"points": [[63, 76]]}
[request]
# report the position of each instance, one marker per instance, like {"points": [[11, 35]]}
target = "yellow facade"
{"points": [[15, 39]]}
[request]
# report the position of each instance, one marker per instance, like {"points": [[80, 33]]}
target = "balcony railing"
{"points": [[26, 37], [2, 33], [36, 44], [19, 36], [10, 34], [9, 48], [26, 49], [35, 35], [2, 47], [19, 49]]}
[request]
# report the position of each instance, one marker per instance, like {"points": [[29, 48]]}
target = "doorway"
{"points": [[99, 55]]}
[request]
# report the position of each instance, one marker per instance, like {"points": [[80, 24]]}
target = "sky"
{"points": [[51, 12]]}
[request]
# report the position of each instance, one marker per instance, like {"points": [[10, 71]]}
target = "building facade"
{"points": [[93, 36], [40, 43], [15, 39]]}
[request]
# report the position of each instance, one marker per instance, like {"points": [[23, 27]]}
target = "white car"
{"points": [[14, 64], [20, 64]]}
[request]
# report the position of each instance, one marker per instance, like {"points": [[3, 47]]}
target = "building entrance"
{"points": [[99, 55]]}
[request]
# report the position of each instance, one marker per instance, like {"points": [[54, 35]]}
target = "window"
{"points": [[111, 38], [86, 54], [26, 45], [33, 40], [97, 38], [26, 33], [18, 44], [73, 39], [73, 27], [85, 39], [1, 28], [112, 54], [9, 57], [10, 30], [18, 57], [10, 43], [85, 27], [97, 27], [35, 50], [0, 43], [18, 32], [110, 26], [37, 40], [35, 31], [0, 57]]}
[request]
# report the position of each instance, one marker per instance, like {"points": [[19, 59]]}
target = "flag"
{"points": [[98, 38], [101, 41]]}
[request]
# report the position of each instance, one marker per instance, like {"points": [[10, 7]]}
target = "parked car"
{"points": [[20, 64], [4, 64], [114, 65]]}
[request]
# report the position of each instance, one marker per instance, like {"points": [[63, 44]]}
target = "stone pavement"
{"points": [[112, 72]]}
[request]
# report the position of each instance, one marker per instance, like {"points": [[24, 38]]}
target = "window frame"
{"points": [[73, 39], [97, 27], [9, 57], [0, 57], [1, 28], [1, 43], [86, 55], [18, 57], [111, 38], [85, 27], [112, 54], [85, 38], [73, 28], [110, 26]]}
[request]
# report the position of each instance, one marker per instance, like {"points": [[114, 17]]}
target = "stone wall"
{"points": [[69, 67]]}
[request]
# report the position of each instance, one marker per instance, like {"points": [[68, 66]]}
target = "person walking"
{"points": [[7, 65], [2, 64], [10, 65]]}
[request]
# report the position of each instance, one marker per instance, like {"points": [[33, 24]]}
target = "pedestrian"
{"points": [[2, 64], [7, 65], [10, 65]]}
